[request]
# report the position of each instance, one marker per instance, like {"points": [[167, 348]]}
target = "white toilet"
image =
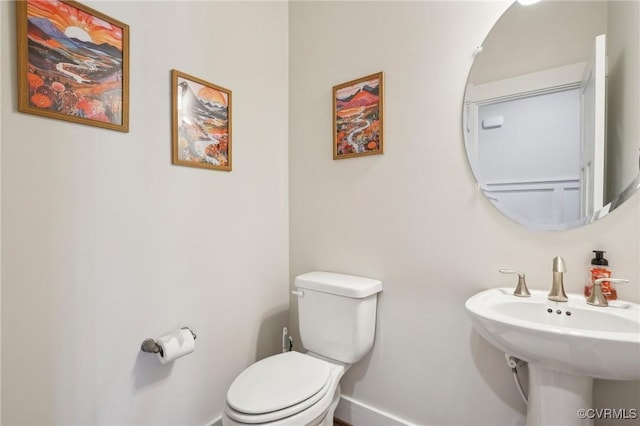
{"points": [[337, 319]]}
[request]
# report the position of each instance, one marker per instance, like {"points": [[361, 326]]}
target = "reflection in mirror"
{"points": [[551, 111]]}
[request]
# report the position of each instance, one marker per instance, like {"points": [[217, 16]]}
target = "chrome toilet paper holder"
{"points": [[150, 345]]}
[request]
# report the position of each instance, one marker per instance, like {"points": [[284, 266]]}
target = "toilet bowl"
{"points": [[336, 316], [289, 389]]}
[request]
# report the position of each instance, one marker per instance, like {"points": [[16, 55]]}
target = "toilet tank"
{"points": [[337, 314]]}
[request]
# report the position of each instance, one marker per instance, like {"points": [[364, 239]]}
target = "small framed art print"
{"points": [[201, 123], [358, 117]]}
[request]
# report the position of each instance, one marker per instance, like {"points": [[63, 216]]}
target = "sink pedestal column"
{"points": [[558, 399]]}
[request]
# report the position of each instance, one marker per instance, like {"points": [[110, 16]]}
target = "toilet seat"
{"points": [[277, 387]]}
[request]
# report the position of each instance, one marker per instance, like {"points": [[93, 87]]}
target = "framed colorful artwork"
{"points": [[201, 123], [73, 63], [358, 117]]}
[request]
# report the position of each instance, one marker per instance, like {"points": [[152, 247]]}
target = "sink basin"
{"points": [[571, 337], [567, 345]]}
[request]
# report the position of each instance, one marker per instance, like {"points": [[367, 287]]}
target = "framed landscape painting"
{"points": [[201, 123], [358, 117], [73, 63]]}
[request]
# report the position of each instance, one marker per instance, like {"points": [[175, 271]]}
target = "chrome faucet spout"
{"points": [[558, 264], [557, 293]]}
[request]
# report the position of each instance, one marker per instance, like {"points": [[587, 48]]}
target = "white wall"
{"points": [[552, 33], [2, 94], [413, 218], [105, 243], [623, 108]]}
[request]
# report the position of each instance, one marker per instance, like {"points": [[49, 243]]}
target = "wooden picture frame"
{"points": [[201, 123], [73, 63], [358, 117]]}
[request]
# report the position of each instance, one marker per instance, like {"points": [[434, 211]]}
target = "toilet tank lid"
{"points": [[339, 284]]}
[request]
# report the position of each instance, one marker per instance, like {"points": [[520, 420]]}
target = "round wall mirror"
{"points": [[551, 111]]}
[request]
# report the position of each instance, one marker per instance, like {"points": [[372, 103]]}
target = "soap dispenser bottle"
{"points": [[599, 268]]}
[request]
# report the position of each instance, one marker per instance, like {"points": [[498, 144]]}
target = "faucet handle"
{"points": [[521, 288], [611, 280], [597, 298]]}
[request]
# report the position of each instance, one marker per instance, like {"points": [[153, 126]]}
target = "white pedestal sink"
{"points": [[566, 344]]}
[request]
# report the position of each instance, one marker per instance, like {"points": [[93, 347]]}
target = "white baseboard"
{"points": [[360, 414], [215, 422], [354, 412]]}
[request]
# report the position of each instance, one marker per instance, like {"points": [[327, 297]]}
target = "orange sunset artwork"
{"points": [[75, 62], [357, 117]]}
